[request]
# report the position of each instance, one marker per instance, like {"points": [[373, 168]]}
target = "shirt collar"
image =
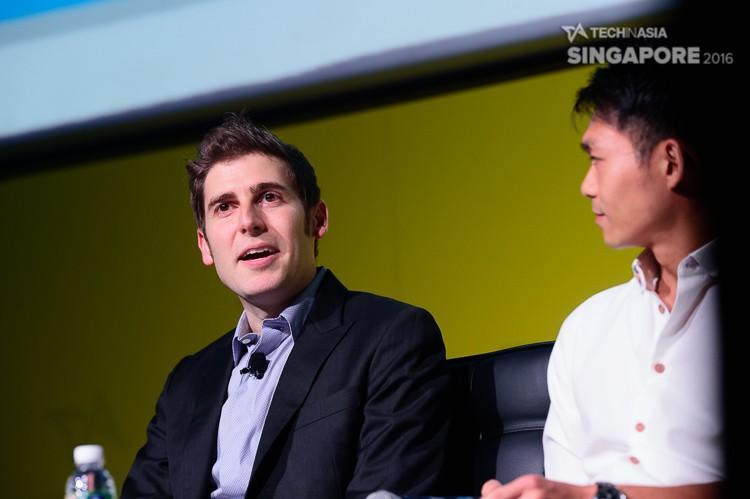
{"points": [[704, 258], [290, 320], [701, 261]]}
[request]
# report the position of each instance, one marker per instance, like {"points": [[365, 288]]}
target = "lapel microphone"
{"points": [[256, 366]]}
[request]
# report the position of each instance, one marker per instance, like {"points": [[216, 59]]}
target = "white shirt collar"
{"points": [[702, 260]]}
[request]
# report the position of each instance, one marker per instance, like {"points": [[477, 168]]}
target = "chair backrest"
{"points": [[500, 404]]}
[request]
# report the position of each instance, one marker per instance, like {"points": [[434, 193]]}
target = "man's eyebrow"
{"points": [[260, 187], [586, 147], [221, 198], [264, 186]]}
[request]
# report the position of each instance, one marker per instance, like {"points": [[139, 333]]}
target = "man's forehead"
{"points": [[600, 132], [252, 171]]}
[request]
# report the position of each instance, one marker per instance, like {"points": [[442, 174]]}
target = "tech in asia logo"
{"points": [[641, 53]]}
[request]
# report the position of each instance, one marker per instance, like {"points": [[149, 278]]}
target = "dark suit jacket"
{"points": [[360, 406]]}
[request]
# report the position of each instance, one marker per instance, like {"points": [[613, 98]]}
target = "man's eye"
{"points": [[222, 207], [270, 197]]}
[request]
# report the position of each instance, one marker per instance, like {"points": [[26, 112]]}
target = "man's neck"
{"points": [[259, 308], [671, 249], [256, 314]]}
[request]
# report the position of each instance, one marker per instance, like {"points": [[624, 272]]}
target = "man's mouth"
{"points": [[257, 254]]}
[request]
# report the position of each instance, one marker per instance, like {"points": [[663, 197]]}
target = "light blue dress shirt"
{"points": [[248, 400]]}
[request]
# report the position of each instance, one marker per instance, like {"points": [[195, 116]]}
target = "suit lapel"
{"points": [[210, 394], [322, 332]]}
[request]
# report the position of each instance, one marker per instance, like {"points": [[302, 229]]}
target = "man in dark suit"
{"points": [[319, 391]]}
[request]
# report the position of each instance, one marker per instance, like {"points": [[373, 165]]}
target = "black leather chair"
{"points": [[500, 403]]}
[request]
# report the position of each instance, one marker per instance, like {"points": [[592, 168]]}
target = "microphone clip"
{"points": [[256, 366]]}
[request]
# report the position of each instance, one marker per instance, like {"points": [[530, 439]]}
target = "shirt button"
{"points": [[640, 427], [659, 367], [662, 309], [634, 460], [246, 341]]}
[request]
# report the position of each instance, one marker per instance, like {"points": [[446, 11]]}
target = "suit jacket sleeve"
{"points": [[149, 475], [405, 424]]}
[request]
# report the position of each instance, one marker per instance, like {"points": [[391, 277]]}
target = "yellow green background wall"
{"points": [[467, 204]]}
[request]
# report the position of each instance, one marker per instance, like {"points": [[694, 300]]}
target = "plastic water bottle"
{"points": [[90, 480]]}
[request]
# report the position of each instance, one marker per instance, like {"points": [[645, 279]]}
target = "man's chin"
{"points": [[619, 244]]}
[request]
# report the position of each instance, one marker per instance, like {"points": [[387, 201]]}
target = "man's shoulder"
{"points": [[601, 306], [333, 290], [366, 299], [378, 307], [362, 304], [605, 298]]}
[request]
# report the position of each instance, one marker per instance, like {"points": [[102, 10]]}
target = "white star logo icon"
{"points": [[573, 31]]}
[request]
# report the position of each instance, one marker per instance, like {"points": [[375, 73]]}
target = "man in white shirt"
{"points": [[634, 375]]}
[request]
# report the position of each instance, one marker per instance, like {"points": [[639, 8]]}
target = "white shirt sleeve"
{"points": [[563, 431]]}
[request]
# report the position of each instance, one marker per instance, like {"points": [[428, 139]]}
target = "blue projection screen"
{"points": [[71, 63]]}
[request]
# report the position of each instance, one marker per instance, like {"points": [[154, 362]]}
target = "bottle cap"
{"points": [[88, 454]]}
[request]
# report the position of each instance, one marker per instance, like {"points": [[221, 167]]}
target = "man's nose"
{"points": [[588, 186], [252, 221]]}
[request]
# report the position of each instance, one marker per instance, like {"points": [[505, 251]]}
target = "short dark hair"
{"points": [[237, 136], [651, 102]]}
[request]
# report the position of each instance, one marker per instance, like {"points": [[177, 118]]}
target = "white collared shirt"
{"points": [[636, 390]]}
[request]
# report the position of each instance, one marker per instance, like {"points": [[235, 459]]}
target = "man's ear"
{"points": [[319, 220], [670, 158], [205, 248]]}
